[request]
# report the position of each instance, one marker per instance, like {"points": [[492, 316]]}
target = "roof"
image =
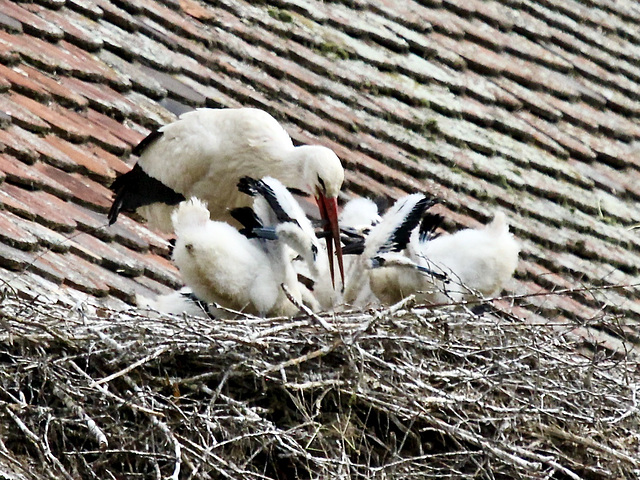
{"points": [[526, 106]]}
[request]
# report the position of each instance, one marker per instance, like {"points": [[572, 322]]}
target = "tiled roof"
{"points": [[527, 106]]}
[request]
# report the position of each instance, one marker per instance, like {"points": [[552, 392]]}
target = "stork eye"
{"points": [[321, 182]]}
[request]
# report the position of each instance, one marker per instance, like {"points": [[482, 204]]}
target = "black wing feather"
{"points": [[135, 189], [146, 141], [402, 234], [248, 219], [428, 226], [254, 187], [355, 247]]}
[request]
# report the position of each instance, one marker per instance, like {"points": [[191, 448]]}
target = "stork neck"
{"points": [[293, 168]]}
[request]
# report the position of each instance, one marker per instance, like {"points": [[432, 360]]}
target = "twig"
{"points": [[131, 367], [94, 430], [40, 446], [164, 428], [589, 443], [319, 320], [113, 396], [303, 358]]}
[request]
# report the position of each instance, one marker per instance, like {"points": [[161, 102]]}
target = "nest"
{"points": [[401, 392]]}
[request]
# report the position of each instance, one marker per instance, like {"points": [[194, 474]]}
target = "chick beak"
{"points": [[328, 207]]}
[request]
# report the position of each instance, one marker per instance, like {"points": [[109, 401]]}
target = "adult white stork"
{"points": [[223, 266], [205, 152]]}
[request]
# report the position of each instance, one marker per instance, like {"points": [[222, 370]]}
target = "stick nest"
{"points": [[401, 392]]}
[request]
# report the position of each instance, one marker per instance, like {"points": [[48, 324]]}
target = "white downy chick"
{"points": [[475, 260], [223, 266]]}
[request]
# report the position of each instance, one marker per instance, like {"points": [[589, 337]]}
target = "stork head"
{"points": [[322, 176]]}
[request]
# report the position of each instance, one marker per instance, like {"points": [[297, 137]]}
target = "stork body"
{"points": [[205, 152], [223, 266], [383, 243], [475, 261]]}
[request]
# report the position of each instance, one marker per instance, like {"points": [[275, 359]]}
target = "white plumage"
{"points": [[223, 266], [359, 215], [177, 303], [205, 152], [475, 261]]}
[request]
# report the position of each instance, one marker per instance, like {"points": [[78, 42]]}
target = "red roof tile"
{"points": [[77, 29], [19, 80], [62, 95], [22, 115], [82, 190], [14, 235], [529, 106], [70, 157], [31, 23], [18, 172], [48, 209]]}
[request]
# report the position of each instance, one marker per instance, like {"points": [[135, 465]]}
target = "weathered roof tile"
{"points": [[77, 29], [82, 190], [11, 142], [572, 144], [100, 97], [31, 23], [78, 273], [175, 88], [612, 152], [133, 74], [47, 209], [21, 174], [17, 107], [52, 116], [86, 7], [76, 126], [52, 86], [69, 157], [106, 254], [20, 82], [19, 260], [47, 238], [14, 235], [10, 24], [530, 99]]}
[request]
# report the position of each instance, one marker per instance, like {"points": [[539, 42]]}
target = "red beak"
{"points": [[329, 213]]}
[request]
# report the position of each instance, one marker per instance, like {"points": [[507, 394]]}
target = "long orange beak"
{"points": [[329, 213]]}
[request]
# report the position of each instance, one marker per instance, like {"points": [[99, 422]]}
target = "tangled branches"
{"points": [[394, 393]]}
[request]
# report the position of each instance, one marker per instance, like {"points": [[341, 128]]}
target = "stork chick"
{"points": [[476, 260], [384, 241], [277, 216], [470, 262], [223, 266]]}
